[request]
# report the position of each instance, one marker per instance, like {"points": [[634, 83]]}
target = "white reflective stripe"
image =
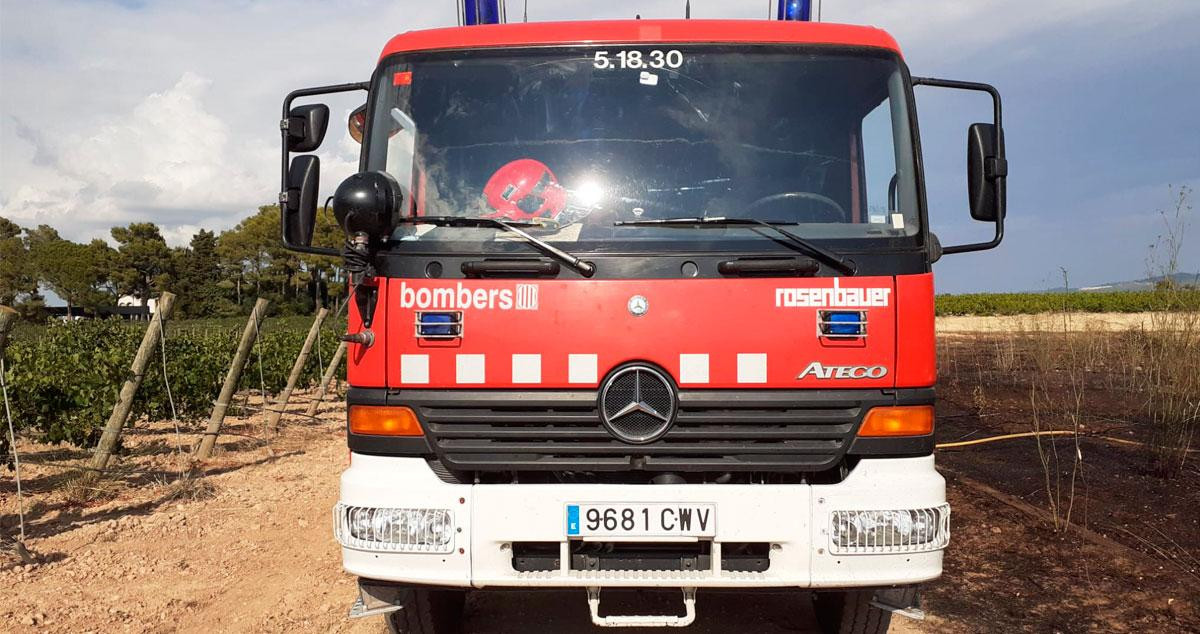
{"points": [[693, 368], [581, 368], [414, 368], [752, 367], [527, 368], [468, 368]]}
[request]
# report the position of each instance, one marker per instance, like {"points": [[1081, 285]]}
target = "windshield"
{"points": [[575, 139]]}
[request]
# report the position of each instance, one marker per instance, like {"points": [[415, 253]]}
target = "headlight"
{"points": [[892, 531], [394, 530]]}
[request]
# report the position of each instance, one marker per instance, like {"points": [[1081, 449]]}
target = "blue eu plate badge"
{"points": [[572, 519]]}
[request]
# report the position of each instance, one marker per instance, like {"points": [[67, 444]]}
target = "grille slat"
{"points": [[619, 448], [760, 416], [692, 431], [516, 432], [585, 417]]}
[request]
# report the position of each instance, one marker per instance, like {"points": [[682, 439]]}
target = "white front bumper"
{"points": [[793, 518]]}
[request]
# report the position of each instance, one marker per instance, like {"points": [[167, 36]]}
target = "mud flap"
{"points": [[892, 600], [374, 599]]}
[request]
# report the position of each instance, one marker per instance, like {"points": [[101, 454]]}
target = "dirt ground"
{"points": [[248, 548], [1130, 558], [1072, 321]]}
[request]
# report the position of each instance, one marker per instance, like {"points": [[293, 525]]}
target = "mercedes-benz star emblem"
{"points": [[637, 404], [638, 305]]}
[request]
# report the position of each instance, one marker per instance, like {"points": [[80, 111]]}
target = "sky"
{"points": [[115, 111]]}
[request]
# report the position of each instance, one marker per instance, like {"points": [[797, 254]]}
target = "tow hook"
{"points": [[365, 338]]}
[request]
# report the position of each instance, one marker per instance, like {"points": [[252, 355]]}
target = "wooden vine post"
{"points": [[281, 401], [330, 370], [232, 378], [8, 319], [120, 413]]}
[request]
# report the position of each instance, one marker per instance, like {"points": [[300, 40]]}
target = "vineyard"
{"points": [[63, 378], [1083, 302]]}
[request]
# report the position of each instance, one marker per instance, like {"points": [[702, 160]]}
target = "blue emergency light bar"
{"points": [[472, 12], [842, 323], [439, 324], [795, 10]]}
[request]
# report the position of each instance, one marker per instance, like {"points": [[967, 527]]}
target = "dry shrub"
{"points": [[1168, 357], [1058, 384], [1169, 353], [188, 487], [1004, 359], [83, 487]]}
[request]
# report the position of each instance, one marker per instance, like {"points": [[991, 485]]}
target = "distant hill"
{"points": [[1146, 284]]}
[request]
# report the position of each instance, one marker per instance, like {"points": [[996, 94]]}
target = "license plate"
{"points": [[659, 519]]}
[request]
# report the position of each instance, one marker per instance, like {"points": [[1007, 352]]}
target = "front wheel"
{"points": [[426, 611], [851, 612]]}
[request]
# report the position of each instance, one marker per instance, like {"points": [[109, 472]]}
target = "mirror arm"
{"points": [[967, 85], [285, 161], [979, 246], [997, 167]]}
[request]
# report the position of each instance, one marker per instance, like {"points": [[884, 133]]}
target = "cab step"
{"points": [[689, 604]]}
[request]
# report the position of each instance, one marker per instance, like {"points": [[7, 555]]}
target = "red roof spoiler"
{"points": [[633, 31]]}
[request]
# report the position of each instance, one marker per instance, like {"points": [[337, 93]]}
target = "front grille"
{"points": [[715, 430]]}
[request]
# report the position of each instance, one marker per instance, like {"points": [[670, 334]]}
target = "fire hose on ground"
{"points": [[1029, 434]]}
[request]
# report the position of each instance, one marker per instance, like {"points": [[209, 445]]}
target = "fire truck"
{"points": [[640, 304]]}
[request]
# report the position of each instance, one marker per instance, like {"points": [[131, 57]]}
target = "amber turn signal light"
{"points": [[907, 420], [378, 420]]}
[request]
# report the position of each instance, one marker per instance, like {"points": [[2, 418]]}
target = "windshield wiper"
{"points": [[807, 246], [586, 269]]}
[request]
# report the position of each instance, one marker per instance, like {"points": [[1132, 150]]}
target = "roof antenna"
{"points": [[525, 18], [637, 16], [687, 10]]}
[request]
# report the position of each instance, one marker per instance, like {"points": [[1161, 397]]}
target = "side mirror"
{"points": [[302, 129], [300, 207], [357, 123], [986, 169], [306, 127]]}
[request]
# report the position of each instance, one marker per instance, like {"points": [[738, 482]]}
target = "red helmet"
{"points": [[525, 189]]}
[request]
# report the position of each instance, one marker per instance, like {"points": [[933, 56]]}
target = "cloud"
{"points": [[43, 156], [165, 155], [167, 111]]}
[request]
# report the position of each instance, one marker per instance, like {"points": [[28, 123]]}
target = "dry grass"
{"points": [[1146, 380], [81, 487], [1169, 352], [187, 487], [1168, 361]]}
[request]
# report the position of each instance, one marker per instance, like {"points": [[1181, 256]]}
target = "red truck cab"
{"points": [[639, 304]]}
